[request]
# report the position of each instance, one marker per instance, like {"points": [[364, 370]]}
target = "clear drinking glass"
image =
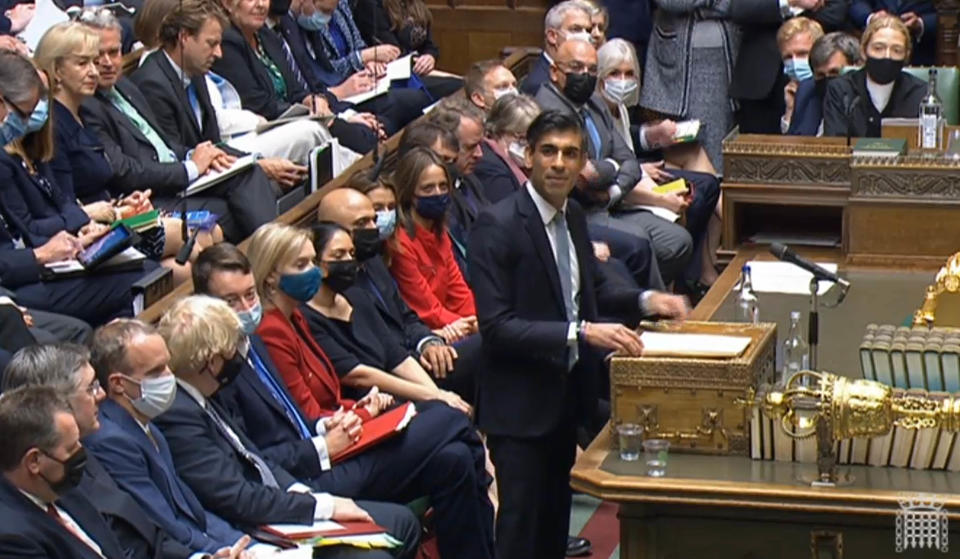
{"points": [[630, 435], [655, 455]]}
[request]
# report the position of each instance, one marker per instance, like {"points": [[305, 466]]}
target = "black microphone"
{"points": [[187, 249], [784, 253], [851, 103]]}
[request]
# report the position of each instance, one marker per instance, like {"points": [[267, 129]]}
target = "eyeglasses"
{"points": [[93, 388]]}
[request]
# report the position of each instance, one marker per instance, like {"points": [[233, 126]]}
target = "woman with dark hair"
{"points": [[423, 263], [383, 196]]}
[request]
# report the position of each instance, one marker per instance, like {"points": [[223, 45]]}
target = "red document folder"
{"points": [[379, 429], [357, 528]]}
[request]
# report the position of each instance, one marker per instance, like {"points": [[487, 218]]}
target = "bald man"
{"points": [[611, 178], [354, 211]]}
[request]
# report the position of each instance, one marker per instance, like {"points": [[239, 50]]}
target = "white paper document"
{"points": [[318, 526], [399, 69], [676, 344], [784, 277], [383, 85], [215, 177]]}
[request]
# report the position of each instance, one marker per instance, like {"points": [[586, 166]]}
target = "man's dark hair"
{"points": [[108, 353], [27, 421], [221, 257], [825, 47], [54, 365], [424, 134], [553, 121], [190, 16]]}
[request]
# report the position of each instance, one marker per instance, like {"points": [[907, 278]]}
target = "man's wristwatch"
{"points": [[581, 330]]}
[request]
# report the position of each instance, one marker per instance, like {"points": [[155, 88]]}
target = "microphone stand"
{"points": [[813, 318]]}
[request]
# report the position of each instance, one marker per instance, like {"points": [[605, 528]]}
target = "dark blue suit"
{"points": [[924, 50], [79, 162], [538, 75], [439, 454], [807, 110], [137, 534], [26, 531], [147, 473], [36, 203]]}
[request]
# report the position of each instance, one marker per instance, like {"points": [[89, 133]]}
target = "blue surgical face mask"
{"points": [[315, 21], [433, 207], [39, 116], [302, 286], [797, 69], [13, 127], [250, 318], [386, 223]]}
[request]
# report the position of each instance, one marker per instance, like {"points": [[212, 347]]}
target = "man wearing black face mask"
{"points": [[828, 57], [611, 183], [42, 460], [855, 103]]}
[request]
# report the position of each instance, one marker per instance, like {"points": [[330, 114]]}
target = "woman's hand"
{"points": [[424, 65], [676, 202], [102, 211], [455, 401], [380, 53], [91, 232], [375, 402]]}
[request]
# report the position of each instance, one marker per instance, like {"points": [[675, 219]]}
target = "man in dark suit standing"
{"points": [[538, 295], [41, 462], [143, 157], [172, 79]]}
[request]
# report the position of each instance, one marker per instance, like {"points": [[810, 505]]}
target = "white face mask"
{"points": [[578, 36], [518, 152], [620, 91], [498, 93], [156, 395]]}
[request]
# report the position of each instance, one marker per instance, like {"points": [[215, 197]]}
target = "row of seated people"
{"points": [[262, 362], [103, 146], [821, 99]]}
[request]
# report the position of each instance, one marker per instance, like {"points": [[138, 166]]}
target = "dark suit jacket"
{"points": [[525, 387], [18, 266], [263, 419], [807, 110], [849, 92], [81, 169], [612, 144], [375, 280], [148, 475], [224, 482], [316, 68], [35, 203], [137, 533], [495, 175], [758, 68], [924, 50], [28, 532], [162, 87], [242, 68], [538, 75], [133, 157]]}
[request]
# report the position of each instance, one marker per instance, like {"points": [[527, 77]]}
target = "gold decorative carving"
{"points": [[900, 183], [787, 170], [946, 281]]}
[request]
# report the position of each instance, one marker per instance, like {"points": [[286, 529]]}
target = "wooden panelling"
{"points": [[479, 29]]}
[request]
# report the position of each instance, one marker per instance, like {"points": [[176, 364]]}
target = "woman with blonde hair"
{"points": [[856, 102], [67, 53]]}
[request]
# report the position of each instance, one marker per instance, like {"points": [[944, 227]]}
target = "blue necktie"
{"points": [[592, 132], [562, 241], [195, 105], [279, 395]]}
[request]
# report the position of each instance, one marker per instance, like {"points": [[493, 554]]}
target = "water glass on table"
{"points": [[655, 455], [630, 435]]}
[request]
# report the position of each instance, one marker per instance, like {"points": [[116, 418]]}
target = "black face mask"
{"points": [[72, 472], [883, 70], [579, 87], [367, 243], [279, 7], [341, 274], [820, 86], [231, 369]]}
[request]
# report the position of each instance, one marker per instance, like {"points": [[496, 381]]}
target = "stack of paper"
{"points": [[675, 344], [399, 69], [365, 535], [784, 277], [215, 177]]}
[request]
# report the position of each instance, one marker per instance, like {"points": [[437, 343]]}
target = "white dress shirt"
{"points": [[547, 213]]}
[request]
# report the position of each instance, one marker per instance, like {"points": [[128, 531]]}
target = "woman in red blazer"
{"points": [[282, 259], [423, 263]]}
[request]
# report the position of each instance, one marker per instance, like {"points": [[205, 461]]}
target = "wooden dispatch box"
{"points": [[691, 401]]}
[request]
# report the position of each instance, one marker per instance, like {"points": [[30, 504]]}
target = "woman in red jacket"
{"points": [[423, 262]]}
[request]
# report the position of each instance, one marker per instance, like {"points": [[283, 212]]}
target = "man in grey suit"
{"points": [[611, 186]]}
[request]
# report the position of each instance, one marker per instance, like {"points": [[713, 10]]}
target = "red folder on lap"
{"points": [[379, 429], [357, 528]]}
